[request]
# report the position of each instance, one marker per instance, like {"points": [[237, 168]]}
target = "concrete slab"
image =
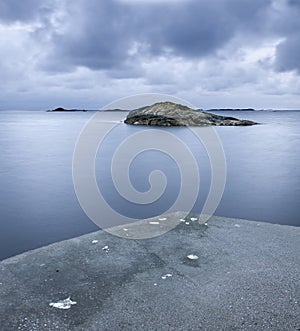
{"points": [[246, 278]]}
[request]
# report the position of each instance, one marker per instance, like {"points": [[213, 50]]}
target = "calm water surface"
{"points": [[38, 204]]}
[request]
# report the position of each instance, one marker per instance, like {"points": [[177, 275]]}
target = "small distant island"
{"points": [[231, 109], [60, 109], [173, 114]]}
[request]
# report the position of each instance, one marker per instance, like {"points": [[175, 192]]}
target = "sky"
{"points": [[87, 53]]}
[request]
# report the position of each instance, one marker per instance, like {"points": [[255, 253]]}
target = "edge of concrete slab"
{"points": [[246, 277]]}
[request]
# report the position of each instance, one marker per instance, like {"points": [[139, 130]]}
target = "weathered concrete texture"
{"points": [[246, 278], [172, 114]]}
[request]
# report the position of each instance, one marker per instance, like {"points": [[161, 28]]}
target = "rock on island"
{"points": [[173, 114]]}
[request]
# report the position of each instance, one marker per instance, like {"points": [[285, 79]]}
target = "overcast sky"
{"points": [[87, 53]]}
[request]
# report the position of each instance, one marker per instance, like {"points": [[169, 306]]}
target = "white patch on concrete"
{"points": [[166, 276], [63, 304], [193, 257], [105, 248]]}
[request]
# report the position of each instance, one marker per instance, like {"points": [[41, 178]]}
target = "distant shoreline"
{"points": [[231, 109]]}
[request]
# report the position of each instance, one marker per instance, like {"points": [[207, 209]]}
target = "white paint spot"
{"points": [[193, 257], [105, 248], [237, 225], [166, 276], [63, 304]]}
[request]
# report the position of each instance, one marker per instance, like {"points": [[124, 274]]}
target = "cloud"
{"points": [[91, 51], [24, 11], [102, 34], [287, 56]]}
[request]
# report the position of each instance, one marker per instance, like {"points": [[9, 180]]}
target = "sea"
{"points": [[39, 204]]}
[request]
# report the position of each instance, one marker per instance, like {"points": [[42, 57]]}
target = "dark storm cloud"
{"points": [[198, 28], [98, 37], [20, 10], [109, 34], [288, 51]]}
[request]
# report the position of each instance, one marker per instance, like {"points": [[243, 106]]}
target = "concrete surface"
{"points": [[246, 278]]}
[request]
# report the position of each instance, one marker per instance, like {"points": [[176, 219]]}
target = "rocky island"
{"points": [[173, 114], [61, 109]]}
